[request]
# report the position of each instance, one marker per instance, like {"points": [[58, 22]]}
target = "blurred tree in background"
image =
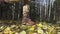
{"points": [[38, 11], [33, 13]]}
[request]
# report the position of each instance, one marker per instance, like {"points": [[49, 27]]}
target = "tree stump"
{"points": [[26, 19]]}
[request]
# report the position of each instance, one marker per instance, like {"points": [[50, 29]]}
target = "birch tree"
{"points": [[40, 11], [49, 10]]}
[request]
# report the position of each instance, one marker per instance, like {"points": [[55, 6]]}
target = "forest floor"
{"points": [[9, 27]]}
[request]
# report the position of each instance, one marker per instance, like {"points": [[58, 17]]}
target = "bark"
{"points": [[40, 12], [13, 11], [49, 10]]}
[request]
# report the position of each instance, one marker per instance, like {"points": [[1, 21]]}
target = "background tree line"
{"points": [[38, 12]]}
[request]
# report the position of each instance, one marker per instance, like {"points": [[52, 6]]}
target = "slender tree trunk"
{"points": [[45, 9], [49, 9], [18, 11], [13, 11], [40, 11]]}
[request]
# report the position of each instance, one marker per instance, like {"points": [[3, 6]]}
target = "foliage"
{"points": [[37, 28]]}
